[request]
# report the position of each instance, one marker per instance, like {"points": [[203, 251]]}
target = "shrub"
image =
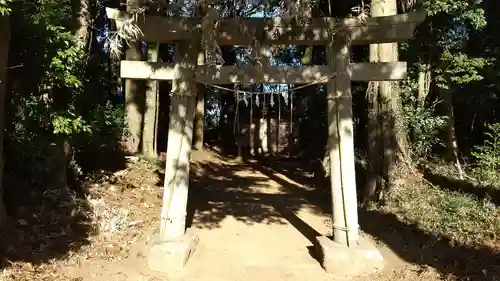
{"points": [[487, 156], [422, 123]]}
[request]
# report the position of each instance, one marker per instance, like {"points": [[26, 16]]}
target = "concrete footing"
{"points": [[171, 256], [362, 259]]}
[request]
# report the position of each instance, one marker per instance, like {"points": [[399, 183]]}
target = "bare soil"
{"points": [[254, 223]]}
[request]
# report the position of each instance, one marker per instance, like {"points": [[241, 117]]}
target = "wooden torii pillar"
{"points": [[341, 144], [176, 243], [347, 254]]}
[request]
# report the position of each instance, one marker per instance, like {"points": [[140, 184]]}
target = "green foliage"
{"points": [[451, 24], [487, 156], [422, 123], [424, 128], [69, 125], [54, 90], [446, 43], [65, 72], [461, 10], [458, 69], [65, 68], [54, 95], [453, 41], [4, 7], [108, 126]]}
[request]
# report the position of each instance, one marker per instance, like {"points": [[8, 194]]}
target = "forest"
{"points": [[82, 149]]}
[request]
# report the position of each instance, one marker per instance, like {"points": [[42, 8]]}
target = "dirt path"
{"points": [[256, 239], [254, 224]]}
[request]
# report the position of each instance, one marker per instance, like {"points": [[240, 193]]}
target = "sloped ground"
{"points": [[255, 223]]}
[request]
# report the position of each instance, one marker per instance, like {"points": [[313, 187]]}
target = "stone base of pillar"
{"points": [[362, 259], [171, 256]]}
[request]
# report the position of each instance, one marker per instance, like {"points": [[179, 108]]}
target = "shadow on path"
{"points": [[220, 189]]}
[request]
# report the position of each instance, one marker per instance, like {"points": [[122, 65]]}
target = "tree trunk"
{"points": [[134, 95], [251, 129], [264, 127], [151, 109], [424, 82], [278, 124], [291, 138], [4, 57], [269, 135], [451, 138], [199, 118], [400, 133], [387, 118], [82, 17], [374, 144], [386, 131], [114, 68], [401, 146]]}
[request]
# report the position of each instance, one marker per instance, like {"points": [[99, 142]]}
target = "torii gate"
{"points": [[176, 243]]}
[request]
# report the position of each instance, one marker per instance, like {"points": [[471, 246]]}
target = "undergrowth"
{"points": [[463, 218], [487, 155], [445, 209]]}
